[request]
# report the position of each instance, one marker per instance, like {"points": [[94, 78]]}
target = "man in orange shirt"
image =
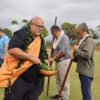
{"points": [[29, 85]]}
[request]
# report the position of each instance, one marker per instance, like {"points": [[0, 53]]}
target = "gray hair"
{"points": [[83, 27]]}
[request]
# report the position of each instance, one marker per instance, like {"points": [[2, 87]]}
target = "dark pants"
{"points": [[23, 90], [86, 86]]}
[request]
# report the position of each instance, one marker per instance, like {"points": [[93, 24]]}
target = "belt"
{"points": [[59, 60]]}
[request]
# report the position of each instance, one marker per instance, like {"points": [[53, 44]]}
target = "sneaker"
{"points": [[55, 96]]}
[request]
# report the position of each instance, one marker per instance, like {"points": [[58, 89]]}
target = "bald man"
{"points": [[29, 84]]}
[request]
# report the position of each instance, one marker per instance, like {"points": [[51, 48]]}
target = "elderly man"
{"points": [[83, 55], [26, 51], [4, 41], [60, 54]]}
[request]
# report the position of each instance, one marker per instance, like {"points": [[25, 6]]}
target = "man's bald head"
{"points": [[37, 20], [36, 25]]}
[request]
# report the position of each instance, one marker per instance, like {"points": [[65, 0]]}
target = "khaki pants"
{"points": [[62, 68]]}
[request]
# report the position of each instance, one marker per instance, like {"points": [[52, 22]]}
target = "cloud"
{"points": [[74, 11]]}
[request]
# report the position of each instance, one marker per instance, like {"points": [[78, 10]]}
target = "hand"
{"points": [[35, 60], [3, 57], [47, 61], [75, 47], [51, 60]]}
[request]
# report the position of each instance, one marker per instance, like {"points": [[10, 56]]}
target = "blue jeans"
{"points": [[86, 86]]}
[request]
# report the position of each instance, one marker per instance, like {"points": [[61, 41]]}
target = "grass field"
{"points": [[75, 92]]}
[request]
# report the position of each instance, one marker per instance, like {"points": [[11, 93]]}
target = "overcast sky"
{"points": [[73, 11]]}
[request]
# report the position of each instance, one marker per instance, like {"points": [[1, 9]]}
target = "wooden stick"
{"points": [[48, 81], [66, 75], [55, 20]]}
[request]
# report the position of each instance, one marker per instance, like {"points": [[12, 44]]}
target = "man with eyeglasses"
{"points": [[84, 57], [29, 84]]}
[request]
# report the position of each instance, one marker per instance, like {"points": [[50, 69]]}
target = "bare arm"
{"points": [[18, 53], [4, 52]]}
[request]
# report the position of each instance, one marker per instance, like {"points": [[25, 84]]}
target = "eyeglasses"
{"points": [[40, 26]]}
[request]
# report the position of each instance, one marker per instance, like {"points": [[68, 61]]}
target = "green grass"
{"points": [[1, 94], [75, 92]]}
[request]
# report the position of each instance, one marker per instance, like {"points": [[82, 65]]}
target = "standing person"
{"points": [[26, 51], [61, 55], [83, 55], [4, 41]]}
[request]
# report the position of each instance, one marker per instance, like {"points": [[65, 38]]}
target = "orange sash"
{"points": [[8, 71]]}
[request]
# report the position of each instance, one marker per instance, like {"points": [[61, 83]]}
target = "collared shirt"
{"points": [[83, 39], [4, 41], [62, 46]]}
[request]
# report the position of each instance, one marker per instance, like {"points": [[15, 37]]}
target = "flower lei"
{"points": [[28, 39]]}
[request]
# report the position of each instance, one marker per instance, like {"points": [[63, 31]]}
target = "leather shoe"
{"points": [[55, 96]]}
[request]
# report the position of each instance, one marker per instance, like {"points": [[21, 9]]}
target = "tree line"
{"points": [[68, 27]]}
